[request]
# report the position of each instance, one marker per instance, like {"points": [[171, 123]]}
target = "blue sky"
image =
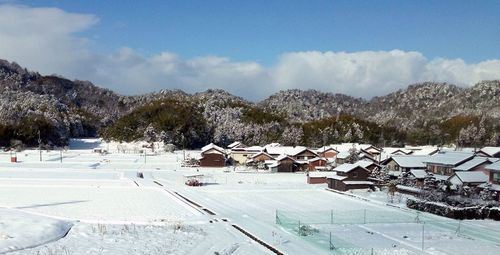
{"points": [[372, 46], [261, 30]]}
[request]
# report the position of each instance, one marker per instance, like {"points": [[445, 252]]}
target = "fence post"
{"points": [[299, 229], [276, 214], [423, 231], [331, 217]]}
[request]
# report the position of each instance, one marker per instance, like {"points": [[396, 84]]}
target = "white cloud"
{"points": [[49, 40]]}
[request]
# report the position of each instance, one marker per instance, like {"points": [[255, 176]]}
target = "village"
{"points": [[464, 177]]}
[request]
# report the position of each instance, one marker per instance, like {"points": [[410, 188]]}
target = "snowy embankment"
{"points": [[20, 230]]}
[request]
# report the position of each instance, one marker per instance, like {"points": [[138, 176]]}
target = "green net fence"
{"points": [[339, 231]]}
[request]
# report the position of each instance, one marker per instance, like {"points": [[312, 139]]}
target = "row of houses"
{"points": [[480, 169]]}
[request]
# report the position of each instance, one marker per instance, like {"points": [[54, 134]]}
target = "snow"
{"points": [[452, 158], [495, 166], [410, 161], [490, 151], [345, 168], [418, 173], [112, 211], [476, 161], [21, 230], [472, 177]]}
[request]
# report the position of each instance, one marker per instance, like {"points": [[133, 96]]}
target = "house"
{"points": [[327, 152], [493, 171], [493, 152], [405, 163], [418, 175], [240, 155], [349, 176], [475, 164], [260, 157], [317, 163], [212, 156], [443, 163], [283, 163], [470, 179]]}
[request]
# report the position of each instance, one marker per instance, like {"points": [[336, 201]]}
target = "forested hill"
{"points": [[422, 113]]}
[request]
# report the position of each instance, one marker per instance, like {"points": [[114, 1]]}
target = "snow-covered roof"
{"points": [[347, 167], [254, 148], [336, 177], [234, 144], [471, 177], [317, 158], [365, 163], [358, 182], [419, 173], [211, 146], [395, 151], [440, 177], [321, 174], [282, 157], [343, 155], [490, 151], [410, 161], [286, 150], [409, 189], [491, 186], [449, 158], [476, 161], [261, 153], [325, 149], [274, 164], [423, 150], [495, 166]]}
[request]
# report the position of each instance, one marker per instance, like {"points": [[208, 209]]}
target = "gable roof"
{"points": [[418, 173], [476, 161], [450, 158], [490, 151], [347, 167], [410, 161], [495, 166], [365, 163], [211, 146], [424, 150], [234, 145], [325, 149], [283, 157], [471, 177], [287, 150], [261, 153], [317, 158]]}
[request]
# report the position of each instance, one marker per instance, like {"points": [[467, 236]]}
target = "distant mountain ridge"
{"points": [[62, 108]]}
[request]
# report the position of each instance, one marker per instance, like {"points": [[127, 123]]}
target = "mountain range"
{"points": [[59, 109]]}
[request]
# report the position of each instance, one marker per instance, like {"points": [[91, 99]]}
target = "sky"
{"points": [[255, 48]]}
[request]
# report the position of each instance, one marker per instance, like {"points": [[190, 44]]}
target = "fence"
{"points": [[329, 229]]}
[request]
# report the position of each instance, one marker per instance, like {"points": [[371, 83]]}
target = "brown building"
{"points": [[317, 164], [284, 164], [349, 176], [212, 156]]}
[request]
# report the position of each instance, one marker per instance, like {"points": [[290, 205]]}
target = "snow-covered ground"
{"points": [[109, 210]]}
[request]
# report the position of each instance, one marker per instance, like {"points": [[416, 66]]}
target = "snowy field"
{"points": [[89, 203]]}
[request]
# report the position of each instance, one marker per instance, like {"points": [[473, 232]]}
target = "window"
{"points": [[354, 175], [496, 177]]}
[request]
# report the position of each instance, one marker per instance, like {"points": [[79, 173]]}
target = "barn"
{"points": [[349, 176], [212, 156]]}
